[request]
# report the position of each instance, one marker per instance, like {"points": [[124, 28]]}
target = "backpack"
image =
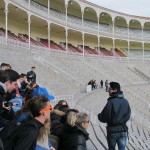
{"points": [[8, 133]]}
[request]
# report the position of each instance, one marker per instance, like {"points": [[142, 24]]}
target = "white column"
{"points": [[48, 7], [98, 24], [114, 47], [29, 23], [98, 46], [143, 50], [98, 34], [66, 8], [82, 19], [113, 38], [142, 32], [6, 22], [29, 30], [49, 43], [128, 41], [143, 41], [128, 50], [66, 40], [83, 43]]}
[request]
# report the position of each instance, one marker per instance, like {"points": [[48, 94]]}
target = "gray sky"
{"points": [[132, 7]]}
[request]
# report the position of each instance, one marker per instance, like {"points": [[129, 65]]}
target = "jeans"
{"points": [[117, 138]]}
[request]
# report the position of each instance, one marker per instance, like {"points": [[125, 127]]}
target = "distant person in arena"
{"points": [[116, 113], [31, 75]]}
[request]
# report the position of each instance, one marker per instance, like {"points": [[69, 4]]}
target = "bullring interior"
{"points": [[73, 41]]}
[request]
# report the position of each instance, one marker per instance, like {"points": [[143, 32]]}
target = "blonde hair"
{"points": [[44, 130], [71, 119], [74, 119]]}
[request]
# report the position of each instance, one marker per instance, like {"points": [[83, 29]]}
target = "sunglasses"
{"points": [[46, 108]]}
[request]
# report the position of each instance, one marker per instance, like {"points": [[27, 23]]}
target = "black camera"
{"points": [[7, 104]]}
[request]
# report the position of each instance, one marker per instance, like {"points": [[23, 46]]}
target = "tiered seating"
{"points": [[119, 53], [56, 46], [74, 49], [105, 52], [10, 34], [33, 42], [44, 42], [89, 50], [2, 32]]}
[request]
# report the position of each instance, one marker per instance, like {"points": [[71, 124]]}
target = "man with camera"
{"points": [[7, 83], [8, 80]]}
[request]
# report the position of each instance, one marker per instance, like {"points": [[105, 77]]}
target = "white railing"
{"points": [[75, 22], [22, 3]]}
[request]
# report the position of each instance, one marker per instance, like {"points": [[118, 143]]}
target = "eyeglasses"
{"points": [[46, 108]]}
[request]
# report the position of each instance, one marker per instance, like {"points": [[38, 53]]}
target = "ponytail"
{"points": [[71, 119]]}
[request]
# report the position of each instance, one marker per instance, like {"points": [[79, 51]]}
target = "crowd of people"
{"points": [[28, 121]]}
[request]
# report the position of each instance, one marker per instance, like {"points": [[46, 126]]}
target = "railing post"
{"points": [[6, 21]]}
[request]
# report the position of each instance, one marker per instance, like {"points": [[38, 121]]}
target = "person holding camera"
{"points": [[7, 83], [8, 80]]}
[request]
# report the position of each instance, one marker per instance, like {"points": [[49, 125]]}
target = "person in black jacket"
{"points": [[31, 76], [7, 83], [75, 135], [26, 136], [8, 80], [116, 113]]}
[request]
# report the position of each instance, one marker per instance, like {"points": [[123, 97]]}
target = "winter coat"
{"points": [[117, 110], [74, 138]]}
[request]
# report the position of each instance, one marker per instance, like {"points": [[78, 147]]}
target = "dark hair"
{"points": [[115, 85], [33, 67], [8, 75], [62, 107], [3, 64], [8, 65], [22, 75], [37, 103]]}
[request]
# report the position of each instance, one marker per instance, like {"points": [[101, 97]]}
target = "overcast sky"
{"points": [[132, 7]]}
